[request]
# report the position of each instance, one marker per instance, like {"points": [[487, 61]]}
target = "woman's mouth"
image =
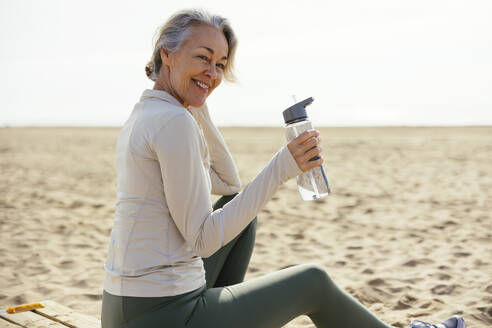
{"points": [[201, 85]]}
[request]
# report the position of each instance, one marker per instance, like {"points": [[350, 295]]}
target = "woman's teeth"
{"points": [[201, 84]]}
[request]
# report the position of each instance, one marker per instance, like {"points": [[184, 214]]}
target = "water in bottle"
{"points": [[312, 184]]}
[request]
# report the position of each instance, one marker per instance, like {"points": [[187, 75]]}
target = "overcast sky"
{"points": [[367, 62]]}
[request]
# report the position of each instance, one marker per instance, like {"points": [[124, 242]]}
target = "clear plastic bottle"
{"points": [[312, 184]]}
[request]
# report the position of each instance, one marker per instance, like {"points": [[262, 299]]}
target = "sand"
{"points": [[407, 230]]}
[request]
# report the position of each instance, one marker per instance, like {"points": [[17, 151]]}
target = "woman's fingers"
{"points": [[305, 147], [310, 154], [298, 145], [304, 136], [311, 164], [312, 142]]}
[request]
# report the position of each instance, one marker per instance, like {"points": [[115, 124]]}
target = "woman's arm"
{"points": [[223, 172], [177, 146]]}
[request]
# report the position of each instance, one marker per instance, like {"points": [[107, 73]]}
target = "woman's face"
{"points": [[197, 68]]}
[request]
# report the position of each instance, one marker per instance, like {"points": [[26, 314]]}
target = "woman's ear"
{"points": [[164, 56]]}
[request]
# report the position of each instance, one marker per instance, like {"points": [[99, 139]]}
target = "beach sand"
{"points": [[407, 229]]}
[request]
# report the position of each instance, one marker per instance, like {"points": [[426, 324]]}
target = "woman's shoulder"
{"points": [[161, 110], [155, 115], [159, 105]]}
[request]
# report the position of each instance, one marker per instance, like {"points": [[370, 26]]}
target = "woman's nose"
{"points": [[212, 71]]}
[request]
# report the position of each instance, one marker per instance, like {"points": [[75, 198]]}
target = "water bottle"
{"points": [[312, 184]]}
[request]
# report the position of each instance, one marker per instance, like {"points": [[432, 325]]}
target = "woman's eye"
{"points": [[221, 66], [203, 57]]}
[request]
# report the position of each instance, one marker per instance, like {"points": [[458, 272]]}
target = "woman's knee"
{"points": [[317, 275]]}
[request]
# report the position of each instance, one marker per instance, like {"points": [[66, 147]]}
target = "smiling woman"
{"points": [[192, 54], [179, 27], [173, 259], [192, 73]]}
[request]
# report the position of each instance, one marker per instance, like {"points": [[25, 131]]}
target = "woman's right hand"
{"points": [[304, 147]]}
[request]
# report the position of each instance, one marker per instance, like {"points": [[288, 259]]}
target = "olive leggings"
{"points": [[269, 301]]}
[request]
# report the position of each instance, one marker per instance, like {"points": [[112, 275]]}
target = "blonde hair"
{"points": [[176, 29]]}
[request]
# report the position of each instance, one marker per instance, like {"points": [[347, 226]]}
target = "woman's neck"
{"points": [[164, 84]]}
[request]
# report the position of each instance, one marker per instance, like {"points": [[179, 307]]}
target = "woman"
{"points": [[174, 260]]}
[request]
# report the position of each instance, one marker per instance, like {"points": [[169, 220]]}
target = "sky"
{"points": [[365, 62]]}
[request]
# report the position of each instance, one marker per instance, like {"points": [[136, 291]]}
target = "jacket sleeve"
{"points": [[184, 177], [224, 175]]}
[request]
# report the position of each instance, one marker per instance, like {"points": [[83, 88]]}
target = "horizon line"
{"points": [[7, 126]]}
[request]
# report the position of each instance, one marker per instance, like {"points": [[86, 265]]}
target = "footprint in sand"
{"points": [[76, 204], [443, 289], [81, 246], [61, 228], [296, 236], [95, 297], [401, 306], [43, 290], [415, 262], [461, 254], [441, 276], [66, 264], [479, 263], [376, 282], [409, 298], [450, 223], [80, 283], [396, 290], [485, 314], [18, 299], [20, 244]]}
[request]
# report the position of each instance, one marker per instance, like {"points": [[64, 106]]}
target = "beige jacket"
{"points": [[167, 167]]}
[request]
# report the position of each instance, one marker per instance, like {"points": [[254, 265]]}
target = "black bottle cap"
{"points": [[297, 111]]}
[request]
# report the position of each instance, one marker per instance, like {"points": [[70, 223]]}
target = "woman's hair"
{"points": [[176, 29]]}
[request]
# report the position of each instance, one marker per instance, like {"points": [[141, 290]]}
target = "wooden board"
{"points": [[6, 324], [30, 319], [67, 316], [53, 315]]}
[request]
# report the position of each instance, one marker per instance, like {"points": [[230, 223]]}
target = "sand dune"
{"points": [[407, 230]]}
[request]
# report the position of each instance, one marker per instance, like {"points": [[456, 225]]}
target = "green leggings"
{"points": [[226, 301]]}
